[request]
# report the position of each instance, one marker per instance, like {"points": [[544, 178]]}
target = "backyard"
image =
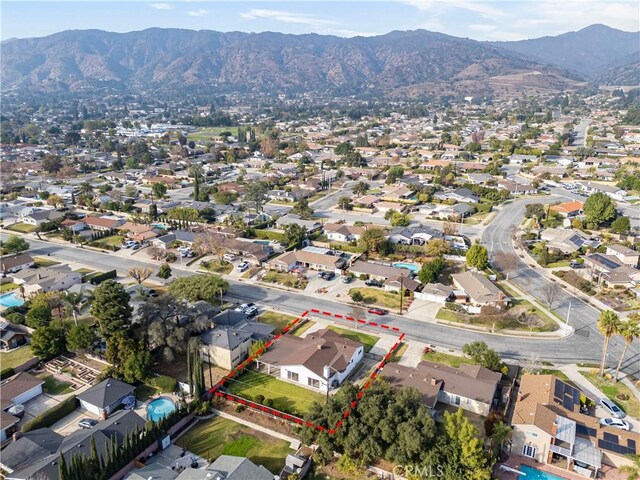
{"points": [[447, 359], [286, 397], [618, 392], [275, 319], [15, 357], [219, 436], [367, 340], [53, 386], [377, 296], [5, 287]]}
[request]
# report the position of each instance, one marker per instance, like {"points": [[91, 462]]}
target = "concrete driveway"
{"points": [[36, 406], [69, 424]]}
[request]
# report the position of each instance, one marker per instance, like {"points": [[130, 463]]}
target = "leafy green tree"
{"points": [[164, 271], [361, 188], [295, 233], [129, 357], [357, 296], [39, 315], [535, 210], [344, 203], [159, 189], [15, 244], [198, 287], [73, 304], [52, 163], [184, 214], [257, 346], [599, 208], [621, 225], [394, 174], [431, 270], [477, 256], [80, 337], [111, 307], [197, 173], [483, 355], [256, 192], [399, 219], [374, 240], [48, 341], [302, 208]]}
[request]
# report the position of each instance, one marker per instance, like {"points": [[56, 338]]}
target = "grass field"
{"points": [[16, 357], [21, 227], [286, 396], [367, 340], [303, 328], [612, 390], [275, 319], [5, 287], [45, 262], [210, 133], [52, 386], [377, 296], [447, 359], [219, 436]]}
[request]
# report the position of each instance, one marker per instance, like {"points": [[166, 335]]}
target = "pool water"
{"points": [[11, 300], [535, 474], [409, 266], [159, 408]]}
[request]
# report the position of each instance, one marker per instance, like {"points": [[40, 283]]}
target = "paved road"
{"points": [[580, 139], [568, 350], [586, 339]]}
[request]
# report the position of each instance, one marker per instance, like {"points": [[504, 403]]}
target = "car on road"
{"points": [[242, 266], [615, 422], [87, 423], [377, 311], [372, 282], [612, 408]]}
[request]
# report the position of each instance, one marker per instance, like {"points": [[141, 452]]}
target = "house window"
{"points": [[315, 383], [532, 434], [529, 451], [293, 376], [455, 399]]}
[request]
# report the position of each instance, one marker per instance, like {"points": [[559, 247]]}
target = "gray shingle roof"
{"points": [[106, 392]]}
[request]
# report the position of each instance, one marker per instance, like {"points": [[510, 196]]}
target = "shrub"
{"points": [[171, 257], [101, 277], [164, 383], [239, 408], [268, 402], [51, 416], [356, 296], [6, 372], [259, 399]]}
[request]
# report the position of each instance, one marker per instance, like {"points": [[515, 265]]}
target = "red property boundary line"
{"points": [[215, 390]]}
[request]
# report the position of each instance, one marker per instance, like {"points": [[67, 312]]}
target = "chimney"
{"points": [[16, 436], [500, 296], [434, 381], [319, 347], [554, 428]]}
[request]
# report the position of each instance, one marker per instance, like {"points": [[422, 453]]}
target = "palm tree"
{"points": [[629, 330], [501, 432], [197, 173], [73, 303], [608, 324], [85, 188]]}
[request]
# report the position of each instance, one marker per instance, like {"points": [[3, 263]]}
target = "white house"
{"points": [[47, 279], [320, 361], [16, 390]]}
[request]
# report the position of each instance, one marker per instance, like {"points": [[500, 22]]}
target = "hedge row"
{"points": [[6, 373], [54, 414], [101, 277], [164, 383]]}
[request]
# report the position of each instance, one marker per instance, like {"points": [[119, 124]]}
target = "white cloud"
{"points": [[288, 17], [197, 13], [161, 6], [476, 6]]}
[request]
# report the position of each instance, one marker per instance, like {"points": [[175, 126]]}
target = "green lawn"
{"points": [[210, 133], [507, 321], [215, 266], [367, 340], [612, 390], [303, 328], [21, 227], [45, 262], [219, 436], [52, 386], [397, 355], [286, 279], [16, 357], [112, 241], [144, 392], [447, 359], [286, 396], [275, 319], [561, 263], [85, 270], [377, 296], [5, 287]]}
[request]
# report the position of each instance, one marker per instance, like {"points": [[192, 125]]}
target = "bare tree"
{"points": [[140, 274], [531, 320], [505, 261], [156, 252], [533, 365], [551, 294], [211, 242], [450, 229], [357, 312]]}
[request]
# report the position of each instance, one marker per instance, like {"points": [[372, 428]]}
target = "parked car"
{"points": [[228, 257], [329, 276], [152, 293], [372, 282], [574, 264], [347, 279], [248, 306], [377, 311], [87, 423], [251, 311], [135, 246], [241, 308], [129, 244], [242, 266], [612, 408], [615, 422]]}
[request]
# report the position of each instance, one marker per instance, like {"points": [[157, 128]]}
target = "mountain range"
{"points": [[405, 62]]}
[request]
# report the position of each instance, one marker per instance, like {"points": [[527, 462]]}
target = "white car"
{"points": [[251, 311], [241, 308], [242, 266], [612, 408], [615, 422], [228, 257]]}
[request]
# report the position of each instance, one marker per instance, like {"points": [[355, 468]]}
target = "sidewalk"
{"points": [[295, 443]]}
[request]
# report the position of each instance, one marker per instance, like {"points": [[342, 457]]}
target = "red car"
{"points": [[377, 311]]}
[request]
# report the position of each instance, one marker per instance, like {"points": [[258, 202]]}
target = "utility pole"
{"points": [[401, 293]]}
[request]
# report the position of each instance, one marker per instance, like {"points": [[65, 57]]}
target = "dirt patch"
{"points": [[260, 418]]}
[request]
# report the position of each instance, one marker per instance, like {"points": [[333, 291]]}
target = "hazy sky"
{"points": [[481, 20]]}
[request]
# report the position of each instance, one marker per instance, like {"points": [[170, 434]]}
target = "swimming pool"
{"points": [[11, 300], [161, 226], [409, 266], [531, 473], [159, 408]]}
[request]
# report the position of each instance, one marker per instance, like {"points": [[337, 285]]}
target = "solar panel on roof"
{"points": [[558, 390]]}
